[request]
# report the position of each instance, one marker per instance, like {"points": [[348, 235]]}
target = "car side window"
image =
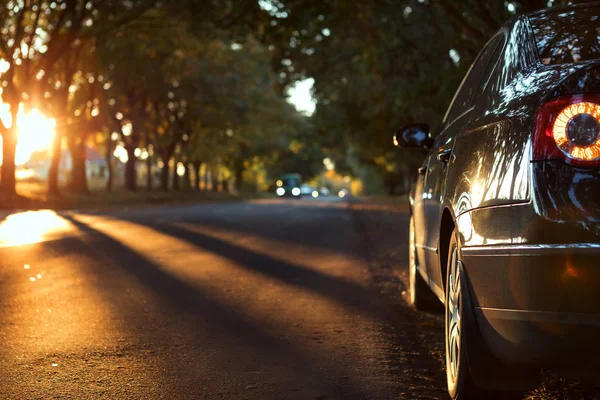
{"points": [[491, 71], [470, 86], [519, 53]]}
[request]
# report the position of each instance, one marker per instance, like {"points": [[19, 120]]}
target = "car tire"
{"points": [[458, 376], [421, 296], [465, 349]]}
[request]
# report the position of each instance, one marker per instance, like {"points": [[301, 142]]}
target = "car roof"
{"points": [[563, 8]]}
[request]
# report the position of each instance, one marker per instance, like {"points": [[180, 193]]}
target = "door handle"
{"points": [[422, 170], [444, 155]]}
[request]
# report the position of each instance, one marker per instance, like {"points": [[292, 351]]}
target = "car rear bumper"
{"points": [[534, 303]]}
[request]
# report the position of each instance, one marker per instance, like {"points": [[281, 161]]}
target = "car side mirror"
{"points": [[414, 136]]}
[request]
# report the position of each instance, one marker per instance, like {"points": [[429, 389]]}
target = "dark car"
{"points": [[289, 185], [505, 221]]}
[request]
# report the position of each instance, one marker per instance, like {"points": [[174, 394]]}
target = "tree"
{"points": [[380, 65], [141, 45], [34, 36]]}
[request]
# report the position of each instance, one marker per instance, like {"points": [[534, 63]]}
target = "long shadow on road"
{"points": [[245, 339], [408, 359], [264, 219], [343, 291]]}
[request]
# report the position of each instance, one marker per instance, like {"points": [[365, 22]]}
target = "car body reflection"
{"points": [[505, 210]]}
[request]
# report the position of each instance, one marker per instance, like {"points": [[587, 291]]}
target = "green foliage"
{"points": [[379, 65], [200, 99], [205, 81]]}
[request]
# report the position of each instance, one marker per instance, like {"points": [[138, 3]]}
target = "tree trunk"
{"points": [[175, 176], [164, 174], [130, 170], [206, 176], [78, 181], [53, 186], [9, 148], [109, 180], [187, 177], [215, 178], [197, 167], [149, 173], [54, 172], [239, 173]]}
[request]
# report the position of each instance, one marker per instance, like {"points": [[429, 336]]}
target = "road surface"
{"points": [[259, 300], [275, 299]]}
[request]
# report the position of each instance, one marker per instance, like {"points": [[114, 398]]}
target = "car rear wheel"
{"points": [[465, 350], [460, 383], [421, 297]]}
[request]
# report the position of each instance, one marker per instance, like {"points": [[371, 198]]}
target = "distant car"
{"points": [[289, 185], [306, 190], [324, 191], [505, 212]]}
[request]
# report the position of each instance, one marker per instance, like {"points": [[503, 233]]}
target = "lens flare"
{"points": [[559, 131]]}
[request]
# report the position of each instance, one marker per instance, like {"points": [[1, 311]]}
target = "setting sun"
{"points": [[35, 132]]}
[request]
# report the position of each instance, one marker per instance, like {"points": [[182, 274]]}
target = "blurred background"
{"points": [[226, 96]]}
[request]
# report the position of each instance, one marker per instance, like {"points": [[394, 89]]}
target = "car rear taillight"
{"points": [[568, 129]]}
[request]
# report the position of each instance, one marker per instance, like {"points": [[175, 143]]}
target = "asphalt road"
{"points": [[277, 299], [261, 300]]}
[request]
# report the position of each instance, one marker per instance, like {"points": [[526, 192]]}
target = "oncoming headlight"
{"points": [[280, 191], [576, 131], [296, 192]]}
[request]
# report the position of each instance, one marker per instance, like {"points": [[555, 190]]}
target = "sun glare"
{"points": [[32, 227], [35, 132]]}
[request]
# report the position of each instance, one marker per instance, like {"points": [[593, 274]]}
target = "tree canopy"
{"points": [[187, 86], [379, 65]]}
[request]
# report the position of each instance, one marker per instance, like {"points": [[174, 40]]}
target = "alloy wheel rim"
{"points": [[411, 260], [453, 317]]}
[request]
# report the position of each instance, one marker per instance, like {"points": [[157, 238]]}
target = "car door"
{"points": [[419, 220], [440, 157]]}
